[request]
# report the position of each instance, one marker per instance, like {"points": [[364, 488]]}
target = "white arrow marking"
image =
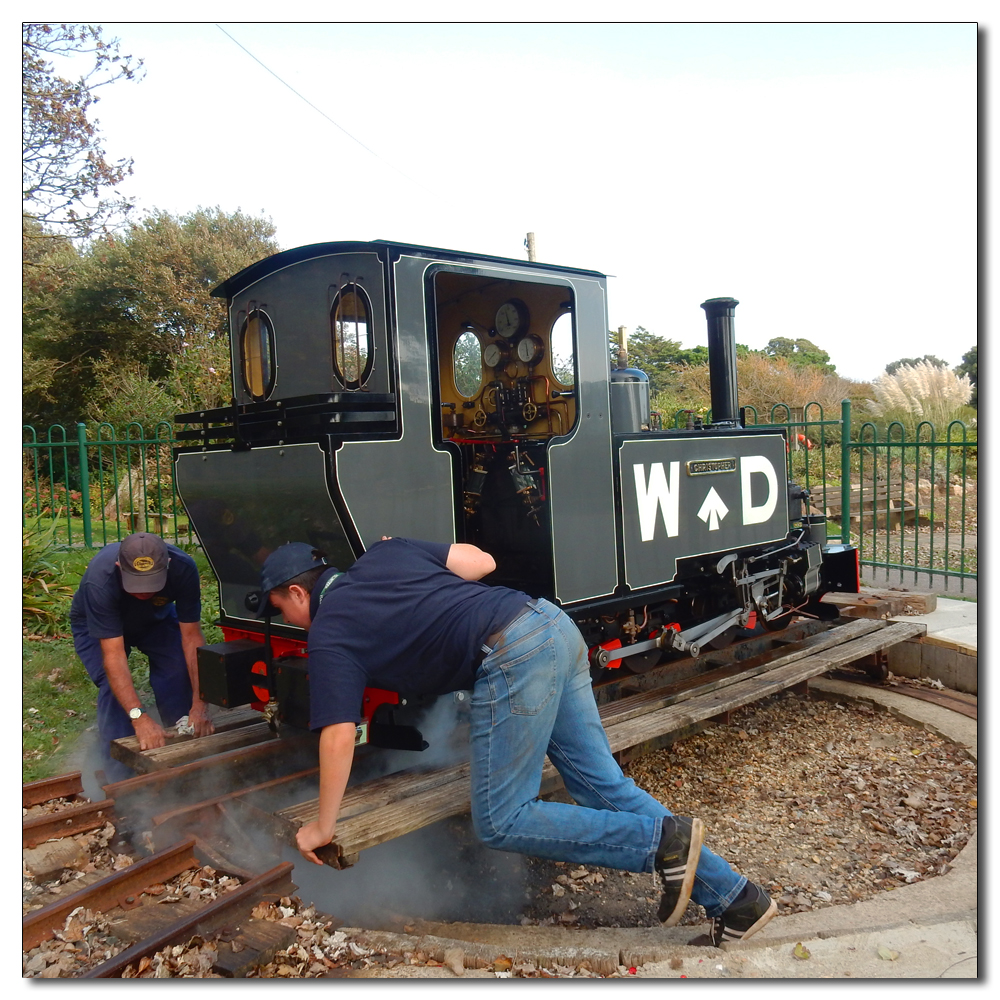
{"points": [[713, 510]]}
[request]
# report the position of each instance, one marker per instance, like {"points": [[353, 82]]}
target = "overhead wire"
{"points": [[319, 111]]}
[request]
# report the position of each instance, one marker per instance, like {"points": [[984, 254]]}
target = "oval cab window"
{"points": [[468, 364], [562, 349], [257, 354], [350, 320]]}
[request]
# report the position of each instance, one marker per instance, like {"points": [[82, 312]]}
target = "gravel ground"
{"points": [[823, 803]]}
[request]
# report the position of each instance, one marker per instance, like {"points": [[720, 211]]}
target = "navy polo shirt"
{"points": [[106, 610], [400, 620]]}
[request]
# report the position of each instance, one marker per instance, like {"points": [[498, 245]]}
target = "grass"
{"points": [[59, 699]]}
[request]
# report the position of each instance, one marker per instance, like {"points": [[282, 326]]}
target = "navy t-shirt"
{"points": [[106, 610], [400, 620]]}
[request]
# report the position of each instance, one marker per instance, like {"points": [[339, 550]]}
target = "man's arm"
{"points": [[191, 639], [469, 561], [336, 754], [119, 677]]}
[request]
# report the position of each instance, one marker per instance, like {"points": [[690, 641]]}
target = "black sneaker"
{"points": [[749, 912], [676, 863]]}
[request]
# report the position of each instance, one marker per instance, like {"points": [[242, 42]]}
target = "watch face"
{"points": [[493, 354], [530, 350], [134, 713], [511, 318]]}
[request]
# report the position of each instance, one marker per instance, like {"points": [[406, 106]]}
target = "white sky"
{"points": [[822, 174]]}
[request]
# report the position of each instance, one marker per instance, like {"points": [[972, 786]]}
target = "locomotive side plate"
{"points": [[689, 496]]}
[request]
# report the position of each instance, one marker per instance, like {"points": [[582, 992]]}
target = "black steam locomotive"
{"points": [[387, 389]]}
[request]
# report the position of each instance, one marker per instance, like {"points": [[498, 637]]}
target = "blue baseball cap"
{"points": [[285, 563]]}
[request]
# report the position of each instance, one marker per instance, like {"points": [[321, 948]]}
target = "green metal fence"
{"points": [[907, 499], [101, 484]]}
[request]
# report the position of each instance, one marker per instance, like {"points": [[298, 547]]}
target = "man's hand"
{"points": [[198, 717], [309, 838], [150, 733]]}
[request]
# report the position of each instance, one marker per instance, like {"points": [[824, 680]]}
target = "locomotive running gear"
{"points": [[103, 608], [438, 623], [751, 910], [143, 561], [676, 863]]}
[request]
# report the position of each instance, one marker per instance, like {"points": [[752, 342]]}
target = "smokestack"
{"points": [[722, 360], [529, 242]]}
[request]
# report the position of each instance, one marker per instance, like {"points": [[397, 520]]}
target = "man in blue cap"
{"points": [[415, 617], [145, 594]]}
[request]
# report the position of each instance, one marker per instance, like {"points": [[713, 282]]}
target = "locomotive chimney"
{"points": [[722, 360]]}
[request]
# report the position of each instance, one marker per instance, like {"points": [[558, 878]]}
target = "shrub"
{"points": [[45, 598]]}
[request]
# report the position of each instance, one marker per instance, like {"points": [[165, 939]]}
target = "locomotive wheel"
{"points": [[643, 662], [777, 624], [723, 639]]}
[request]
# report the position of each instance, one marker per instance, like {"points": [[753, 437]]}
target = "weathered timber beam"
{"points": [[647, 701], [646, 727], [185, 750]]}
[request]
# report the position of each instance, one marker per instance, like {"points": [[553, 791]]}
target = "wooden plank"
{"points": [[618, 711], [224, 721], [191, 749], [646, 727], [866, 605], [234, 766]]}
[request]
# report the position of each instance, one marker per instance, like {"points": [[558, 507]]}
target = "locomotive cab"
{"points": [[389, 389]]}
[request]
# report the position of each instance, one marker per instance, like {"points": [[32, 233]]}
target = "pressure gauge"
{"points": [[495, 354], [530, 350], [512, 319]]}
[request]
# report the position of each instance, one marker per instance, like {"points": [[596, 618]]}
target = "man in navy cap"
{"points": [[145, 594], [414, 617]]}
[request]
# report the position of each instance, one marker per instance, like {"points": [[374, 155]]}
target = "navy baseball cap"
{"points": [[285, 563], [143, 560]]}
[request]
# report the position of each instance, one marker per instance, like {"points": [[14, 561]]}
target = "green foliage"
{"points": [[970, 367], [800, 352], [44, 598], [128, 329], [64, 168], [893, 366], [662, 360]]}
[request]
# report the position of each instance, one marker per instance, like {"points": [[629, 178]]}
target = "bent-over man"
{"points": [[140, 593], [414, 616]]}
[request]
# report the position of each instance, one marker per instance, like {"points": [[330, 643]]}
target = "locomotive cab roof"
{"points": [[389, 249]]}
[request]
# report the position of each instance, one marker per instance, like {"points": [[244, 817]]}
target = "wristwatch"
{"points": [[134, 713]]}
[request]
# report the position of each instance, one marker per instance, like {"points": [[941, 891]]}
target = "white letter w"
{"points": [[657, 493]]}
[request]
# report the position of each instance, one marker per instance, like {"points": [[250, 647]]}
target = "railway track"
{"points": [[231, 800]]}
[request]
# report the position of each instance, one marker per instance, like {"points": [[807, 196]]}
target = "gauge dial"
{"points": [[530, 350], [512, 319], [494, 354]]}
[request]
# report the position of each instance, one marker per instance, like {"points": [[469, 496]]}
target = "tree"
{"points": [[800, 352], [64, 165], [138, 325], [970, 367], [659, 358], [893, 366]]}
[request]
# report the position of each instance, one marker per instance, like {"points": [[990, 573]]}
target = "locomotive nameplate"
{"points": [[704, 468], [667, 515]]}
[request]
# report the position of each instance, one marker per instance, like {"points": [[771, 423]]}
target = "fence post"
{"points": [[845, 471], [81, 437]]}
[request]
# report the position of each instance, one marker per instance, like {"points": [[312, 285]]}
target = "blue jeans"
{"points": [[533, 697], [168, 677]]}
